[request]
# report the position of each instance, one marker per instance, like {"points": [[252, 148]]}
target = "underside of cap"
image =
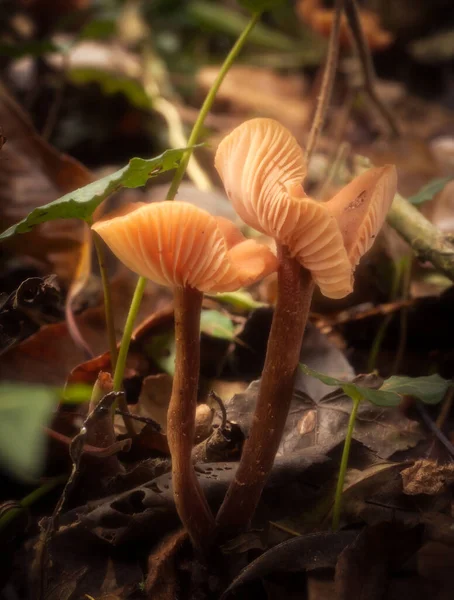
{"points": [[178, 244], [257, 162], [361, 208]]}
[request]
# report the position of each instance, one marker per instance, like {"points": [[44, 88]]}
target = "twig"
{"points": [[354, 23], [327, 81], [445, 408], [434, 429], [219, 401], [426, 240]]}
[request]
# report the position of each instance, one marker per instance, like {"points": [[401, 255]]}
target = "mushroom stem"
{"points": [[190, 502], [295, 288]]}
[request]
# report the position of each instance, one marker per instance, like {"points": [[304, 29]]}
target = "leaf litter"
{"points": [[399, 476]]}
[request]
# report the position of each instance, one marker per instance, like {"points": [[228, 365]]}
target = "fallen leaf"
{"points": [[81, 203], [427, 477], [162, 580], [321, 19], [262, 92], [305, 553], [365, 566]]}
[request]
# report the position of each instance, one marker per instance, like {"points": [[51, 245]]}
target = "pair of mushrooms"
{"points": [[181, 246]]}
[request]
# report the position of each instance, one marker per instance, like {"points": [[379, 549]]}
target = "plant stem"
{"points": [[126, 340], [110, 321], [295, 288], [344, 464], [33, 497], [124, 346], [206, 106], [190, 502]]}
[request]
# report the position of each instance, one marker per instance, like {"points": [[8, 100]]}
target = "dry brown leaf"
{"points": [[257, 90], [427, 477], [320, 19], [32, 173]]}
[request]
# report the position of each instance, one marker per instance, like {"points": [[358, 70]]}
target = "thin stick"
{"points": [[426, 240], [190, 502], [295, 288], [344, 464], [327, 82], [354, 23]]}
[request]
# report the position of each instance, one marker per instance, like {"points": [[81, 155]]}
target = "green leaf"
{"points": [[161, 349], [430, 389], [81, 203], [24, 410], [239, 299], [259, 5], [111, 84], [217, 325], [430, 190], [223, 19]]}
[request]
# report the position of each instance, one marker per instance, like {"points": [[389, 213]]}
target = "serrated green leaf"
{"points": [[428, 191], [259, 5], [430, 389], [217, 325], [81, 203]]}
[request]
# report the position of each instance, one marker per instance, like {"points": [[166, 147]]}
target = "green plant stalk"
{"points": [[126, 339], [110, 321], [344, 463], [135, 304], [29, 500], [208, 103], [399, 269]]}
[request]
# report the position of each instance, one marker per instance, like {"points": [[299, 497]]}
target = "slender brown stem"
{"points": [[190, 502], [295, 288], [327, 82], [354, 23]]}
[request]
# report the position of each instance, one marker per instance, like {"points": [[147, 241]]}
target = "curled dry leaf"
{"points": [[427, 477]]}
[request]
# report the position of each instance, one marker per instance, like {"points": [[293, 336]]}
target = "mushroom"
{"points": [[262, 168], [179, 245]]}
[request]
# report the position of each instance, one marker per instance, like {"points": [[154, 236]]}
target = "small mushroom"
{"points": [[181, 246], [262, 168]]}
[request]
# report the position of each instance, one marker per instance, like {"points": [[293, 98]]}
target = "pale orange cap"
{"points": [[178, 244], [360, 208], [262, 167]]}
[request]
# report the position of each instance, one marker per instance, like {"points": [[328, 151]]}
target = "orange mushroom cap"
{"points": [[262, 167], [178, 244], [360, 208]]}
